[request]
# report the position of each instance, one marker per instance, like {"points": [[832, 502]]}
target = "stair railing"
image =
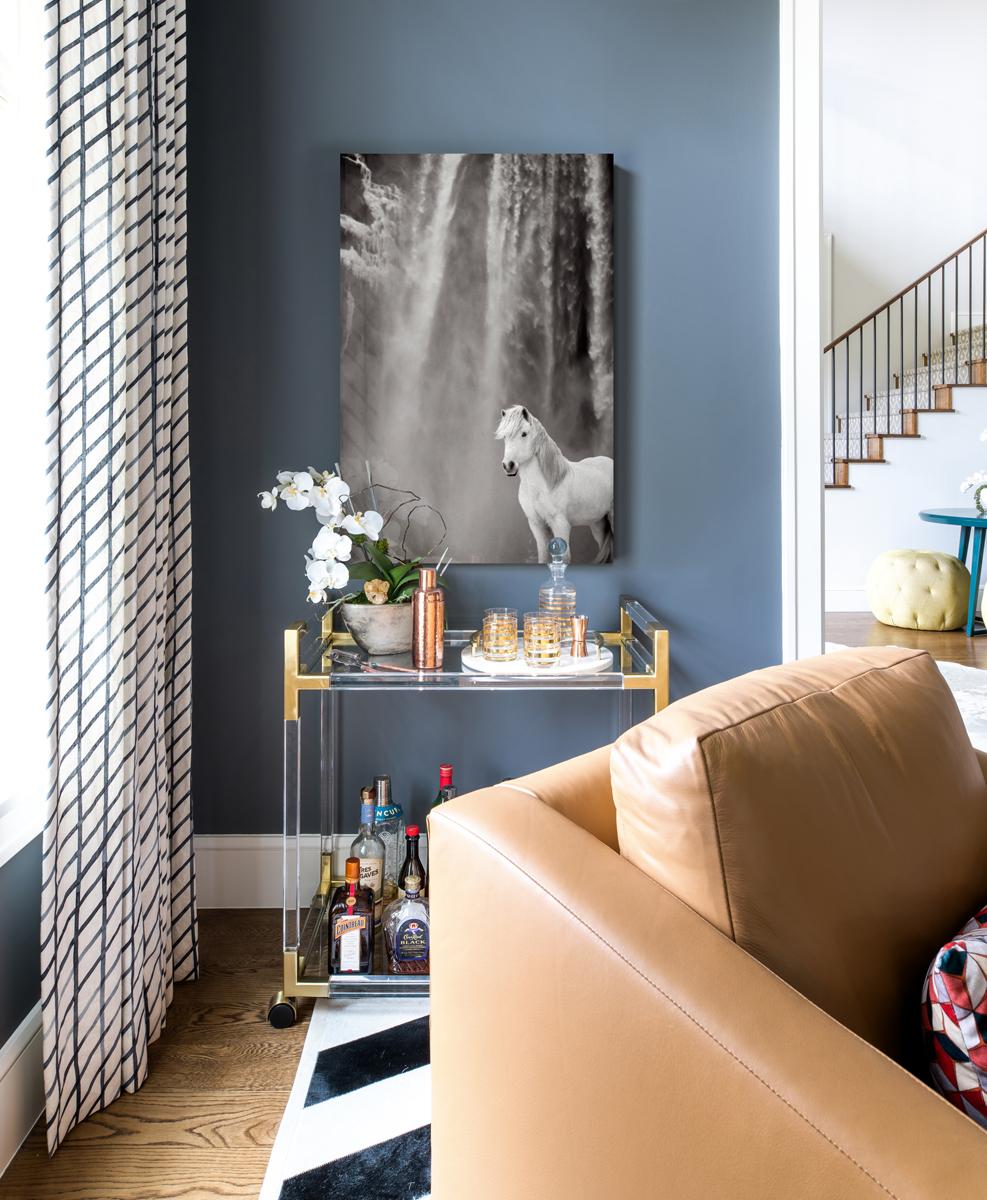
{"points": [[885, 369]]}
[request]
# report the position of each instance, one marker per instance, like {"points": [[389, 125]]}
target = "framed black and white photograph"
{"points": [[477, 345]]}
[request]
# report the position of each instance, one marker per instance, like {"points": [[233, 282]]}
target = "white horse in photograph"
{"points": [[555, 493]]}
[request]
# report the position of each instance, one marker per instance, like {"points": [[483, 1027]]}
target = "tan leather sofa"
{"points": [[730, 1007]]}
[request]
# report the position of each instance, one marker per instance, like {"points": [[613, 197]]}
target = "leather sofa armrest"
{"points": [[579, 789], [982, 759], [593, 1036]]}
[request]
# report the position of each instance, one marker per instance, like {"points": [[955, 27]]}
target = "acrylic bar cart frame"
{"points": [[640, 649]]}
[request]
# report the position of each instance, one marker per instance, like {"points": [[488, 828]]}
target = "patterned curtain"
{"points": [[118, 923]]}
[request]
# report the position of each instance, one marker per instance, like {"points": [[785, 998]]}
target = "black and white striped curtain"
{"points": [[118, 924]]}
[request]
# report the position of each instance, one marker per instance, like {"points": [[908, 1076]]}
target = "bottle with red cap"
{"points": [[446, 789], [412, 866]]}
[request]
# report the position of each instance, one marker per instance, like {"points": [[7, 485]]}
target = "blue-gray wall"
{"points": [[20, 909], [684, 92]]}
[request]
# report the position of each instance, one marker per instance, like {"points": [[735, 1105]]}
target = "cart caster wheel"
{"points": [[281, 1012]]}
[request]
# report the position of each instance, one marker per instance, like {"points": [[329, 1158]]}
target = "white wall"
{"points": [[880, 511], [904, 174]]}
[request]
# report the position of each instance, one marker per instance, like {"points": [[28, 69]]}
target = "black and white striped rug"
{"points": [[357, 1123]]}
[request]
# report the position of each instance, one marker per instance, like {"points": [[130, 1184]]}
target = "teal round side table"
{"points": [[967, 519]]}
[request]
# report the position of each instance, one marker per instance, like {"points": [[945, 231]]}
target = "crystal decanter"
{"points": [[557, 596]]}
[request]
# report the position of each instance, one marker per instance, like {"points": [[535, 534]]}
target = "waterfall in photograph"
{"points": [[470, 284]]}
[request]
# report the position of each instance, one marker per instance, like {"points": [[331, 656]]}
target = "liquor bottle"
{"points": [[428, 616], [406, 931], [351, 925], [390, 829], [557, 596], [412, 865], [369, 849], [445, 781]]}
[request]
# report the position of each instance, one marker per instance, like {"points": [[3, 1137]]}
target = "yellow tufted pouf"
{"points": [[918, 589]]}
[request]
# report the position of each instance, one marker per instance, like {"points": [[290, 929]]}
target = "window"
{"points": [[23, 343]]}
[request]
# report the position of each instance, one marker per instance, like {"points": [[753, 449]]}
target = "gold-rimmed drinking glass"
{"points": [[542, 639], [500, 634]]}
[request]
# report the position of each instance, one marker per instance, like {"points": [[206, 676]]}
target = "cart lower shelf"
{"points": [[314, 973]]}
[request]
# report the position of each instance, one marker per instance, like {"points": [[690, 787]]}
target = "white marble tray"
{"points": [[567, 665]]}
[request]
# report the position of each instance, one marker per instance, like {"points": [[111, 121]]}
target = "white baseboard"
{"points": [[22, 1089], [847, 600], [246, 870]]}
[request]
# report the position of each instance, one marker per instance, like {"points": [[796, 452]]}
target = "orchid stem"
{"points": [[349, 500], [370, 485]]}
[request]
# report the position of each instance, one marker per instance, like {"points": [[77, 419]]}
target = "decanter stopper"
{"points": [[557, 548], [558, 597]]}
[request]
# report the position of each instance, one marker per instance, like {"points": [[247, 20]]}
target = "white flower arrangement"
{"points": [[385, 576], [327, 495], [977, 483]]}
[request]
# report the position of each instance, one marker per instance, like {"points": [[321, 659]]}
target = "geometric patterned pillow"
{"points": [[954, 1019]]}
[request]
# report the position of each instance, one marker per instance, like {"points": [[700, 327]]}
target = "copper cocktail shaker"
{"points": [[428, 621]]}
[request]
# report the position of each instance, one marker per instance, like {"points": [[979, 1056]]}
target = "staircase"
{"points": [[904, 361]]}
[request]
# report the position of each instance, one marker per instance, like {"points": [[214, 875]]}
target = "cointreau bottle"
{"points": [[406, 932], [351, 925]]}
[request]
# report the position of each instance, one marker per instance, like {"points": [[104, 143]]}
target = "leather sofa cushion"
{"points": [[830, 816]]}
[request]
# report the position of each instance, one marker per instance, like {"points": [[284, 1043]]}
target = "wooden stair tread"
{"points": [[940, 396]]}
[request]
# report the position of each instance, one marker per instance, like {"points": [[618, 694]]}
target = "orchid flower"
{"points": [[295, 496], [328, 495], [331, 546], [323, 575], [268, 499], [369, 523]]}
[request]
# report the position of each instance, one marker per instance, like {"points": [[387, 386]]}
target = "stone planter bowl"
{"points": [[379, 628]]}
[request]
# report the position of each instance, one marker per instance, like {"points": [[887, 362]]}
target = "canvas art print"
{"points": [[477, 346]]}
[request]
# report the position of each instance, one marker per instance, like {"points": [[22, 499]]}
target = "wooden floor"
{"points": [[861, 629], [203, 1124]]}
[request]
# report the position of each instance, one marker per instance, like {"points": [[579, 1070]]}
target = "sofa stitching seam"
{"points": [[719, 841], [675, 1004]]}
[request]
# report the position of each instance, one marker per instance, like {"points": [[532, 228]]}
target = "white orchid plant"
{"points": [[977, 483], [385, 578]]}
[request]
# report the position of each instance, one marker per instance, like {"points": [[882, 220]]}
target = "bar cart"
{"points": [[639, 653]]}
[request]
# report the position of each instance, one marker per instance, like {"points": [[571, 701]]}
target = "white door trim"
{"points": [[800, 325]]}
